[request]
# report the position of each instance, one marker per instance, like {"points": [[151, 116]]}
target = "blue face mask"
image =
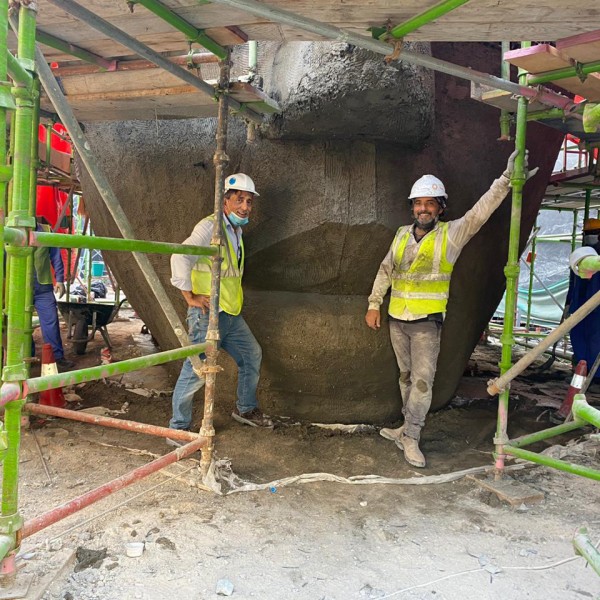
{"points": [[237, 220]]}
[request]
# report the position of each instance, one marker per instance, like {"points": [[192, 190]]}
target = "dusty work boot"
{"points": [[392, 434], [254, 418], [412, 453]]}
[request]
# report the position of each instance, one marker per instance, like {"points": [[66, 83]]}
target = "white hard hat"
{"points": [[428, 186], [241, 182]]}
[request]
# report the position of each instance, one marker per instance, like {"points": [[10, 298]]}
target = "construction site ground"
{"points": [[311, 541]]}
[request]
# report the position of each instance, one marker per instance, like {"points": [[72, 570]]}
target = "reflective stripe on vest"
{"points": [[231, 296], [423, 288]]}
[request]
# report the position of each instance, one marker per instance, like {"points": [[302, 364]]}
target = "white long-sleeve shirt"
{"points": [[460, 231], [182, 264]]}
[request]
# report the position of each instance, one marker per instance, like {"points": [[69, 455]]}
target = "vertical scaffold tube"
{"points": [[4, 168], [20, 215], [504, 114], [511, 272], [212, 336]]}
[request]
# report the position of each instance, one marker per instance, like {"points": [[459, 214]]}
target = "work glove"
{"points": [[59, 288], [510, 166]]}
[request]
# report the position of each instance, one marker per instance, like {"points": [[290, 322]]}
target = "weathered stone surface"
{"points": [[327, 214]]}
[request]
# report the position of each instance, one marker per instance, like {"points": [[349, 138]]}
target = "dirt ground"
{"points": [[311, 541]]}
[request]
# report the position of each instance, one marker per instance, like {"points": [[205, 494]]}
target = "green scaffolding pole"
{"points": [[192, 33], [505, 114], [20, 215], [511, 272]]}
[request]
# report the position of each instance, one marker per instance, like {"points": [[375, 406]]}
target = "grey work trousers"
{"points": [[416, 346]]}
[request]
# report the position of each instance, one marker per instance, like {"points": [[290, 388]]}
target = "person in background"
{"points": [[44, 259]]}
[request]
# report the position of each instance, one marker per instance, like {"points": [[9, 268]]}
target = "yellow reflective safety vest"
{"points": [[231, 296], [424, 287]]}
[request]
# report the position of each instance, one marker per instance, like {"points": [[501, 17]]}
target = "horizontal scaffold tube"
{"points": [[555, 463], [544, 434], [558, 74], [93, 242], [278, 15], [77, 415], [68, 508], [50, 382], [584, 412]]}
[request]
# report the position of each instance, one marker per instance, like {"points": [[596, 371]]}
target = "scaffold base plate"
{"points": [[510, 491]]}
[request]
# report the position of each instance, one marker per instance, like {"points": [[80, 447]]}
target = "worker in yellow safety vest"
{"points": [[418, 268], [192, 276]]}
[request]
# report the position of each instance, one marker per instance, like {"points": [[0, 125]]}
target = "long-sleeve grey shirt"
{"points": [[460, 231], [182, 264]]}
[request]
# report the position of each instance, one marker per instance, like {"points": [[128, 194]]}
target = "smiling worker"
{"points": [[418, 268], [192, 276]]}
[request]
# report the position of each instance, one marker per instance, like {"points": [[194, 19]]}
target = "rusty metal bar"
{"points": [[68, 508], [77, 415], [220, 160]]}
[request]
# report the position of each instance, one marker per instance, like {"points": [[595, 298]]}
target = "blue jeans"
{"points": [[47, 310], [237, 340]]}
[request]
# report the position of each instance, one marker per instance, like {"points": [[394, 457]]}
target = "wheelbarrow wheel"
{"points": [[80, 333]]}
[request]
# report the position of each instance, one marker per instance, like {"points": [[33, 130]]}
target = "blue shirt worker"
{"points": [[585, 336], [418, 268], [44, 299], [191, 275]]}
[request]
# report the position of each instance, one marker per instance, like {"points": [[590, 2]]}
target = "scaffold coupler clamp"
{"points": [[14, 5], [493, 389]]}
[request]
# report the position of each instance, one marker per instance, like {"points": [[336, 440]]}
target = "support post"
{"points": [[220, 160], [20, 215], [505, 114], [512, 278], [588, 199]]}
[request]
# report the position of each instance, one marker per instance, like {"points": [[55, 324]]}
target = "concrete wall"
{"points": [[330, 204]]}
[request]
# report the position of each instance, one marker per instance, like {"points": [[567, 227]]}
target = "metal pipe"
{"points": [[584, 547], [544, 434], [108, 196], [17, 73], [220, 161], [558, 74], [76, 415], [427, 16], [190, 31], [555, 463], [588, 198], [504, 114], [285, 17], [50, 382], [252, 59], [198, 58], [574, 230], [38, 523], [584, 412], [67, 240], [106, 28], [531, 273], [511, 272], [88, 274], [67, 48], [3, 157], [20, 266], [497, 385]]}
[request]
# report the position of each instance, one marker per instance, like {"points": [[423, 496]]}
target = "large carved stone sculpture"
{"points": [[334, 171]]}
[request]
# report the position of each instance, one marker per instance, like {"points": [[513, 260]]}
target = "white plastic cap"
{"points": [[241, 182]]}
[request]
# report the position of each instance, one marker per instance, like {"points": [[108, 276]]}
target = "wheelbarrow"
{"points": [[80, 316]]}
